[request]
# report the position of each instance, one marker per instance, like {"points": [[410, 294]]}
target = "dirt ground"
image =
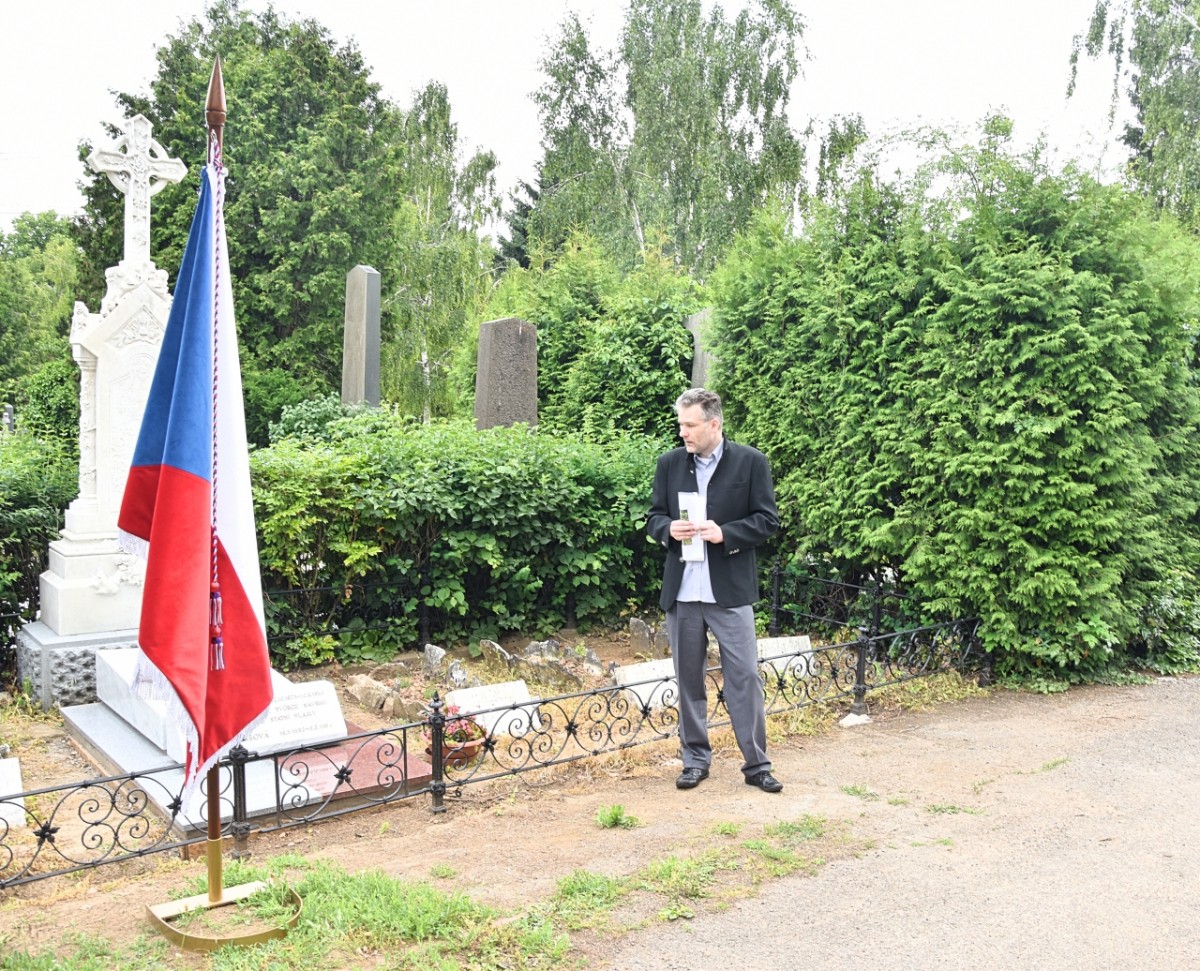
{"points": [[919, 790]]}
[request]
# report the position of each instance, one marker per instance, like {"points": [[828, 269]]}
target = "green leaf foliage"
{"points": [[37, 480], [679, 133], [48, 405], [492, 531], [989, 394], [1154, 46], [38, 266]]}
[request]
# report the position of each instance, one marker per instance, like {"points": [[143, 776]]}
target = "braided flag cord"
{"points": [[202, 630], [216, 644]]}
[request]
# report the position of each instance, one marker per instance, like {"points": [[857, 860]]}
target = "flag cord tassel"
{"points": [[215, 624]]}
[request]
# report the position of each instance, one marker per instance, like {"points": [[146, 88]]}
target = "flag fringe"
{"points": [[224, 750], [134, 545], [150, 684]]}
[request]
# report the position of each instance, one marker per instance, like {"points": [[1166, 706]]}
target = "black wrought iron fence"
{"points": [[836, 609], [65, 828]]}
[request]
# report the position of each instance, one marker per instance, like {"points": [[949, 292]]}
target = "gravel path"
{"points": [[1014, 832]]}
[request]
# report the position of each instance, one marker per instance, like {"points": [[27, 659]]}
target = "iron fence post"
{"points": [[859, 706], [240, 827], [437, 734]]}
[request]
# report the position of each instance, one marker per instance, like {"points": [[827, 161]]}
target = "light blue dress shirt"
{"points": [[696, 584]]}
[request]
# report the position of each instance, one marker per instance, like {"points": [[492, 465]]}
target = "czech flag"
{"points": [[187, 508]]}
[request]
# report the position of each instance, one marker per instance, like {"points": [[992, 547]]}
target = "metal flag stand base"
{"points": [[161, 915], [218, 896]]}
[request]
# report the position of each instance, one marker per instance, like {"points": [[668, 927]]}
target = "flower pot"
{"points": [[456, 754]]}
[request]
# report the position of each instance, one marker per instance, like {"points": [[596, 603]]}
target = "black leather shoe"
{"points": [[765, 781], [690, 778]]}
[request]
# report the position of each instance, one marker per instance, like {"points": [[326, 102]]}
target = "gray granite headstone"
{"points": [[433, 660], [697, 323], [641, 637], [506, 374], [8, 423], [360, 341]]}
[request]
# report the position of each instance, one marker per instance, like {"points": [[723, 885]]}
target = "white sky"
{"points": [[938, 61]]}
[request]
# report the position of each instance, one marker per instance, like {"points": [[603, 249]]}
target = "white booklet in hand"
{"points": [[693, 508]]}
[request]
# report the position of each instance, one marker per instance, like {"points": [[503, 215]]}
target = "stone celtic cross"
{"points": [[138, 166]]}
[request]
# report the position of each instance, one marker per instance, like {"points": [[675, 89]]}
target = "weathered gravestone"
{"points": [[641, 637], [517, 714], [360, 342], [506, 374], [649, 684], [8, 423], [697, 324], [91, 595]]}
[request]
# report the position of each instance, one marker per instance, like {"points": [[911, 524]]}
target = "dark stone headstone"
{"points": [[506, 374]]}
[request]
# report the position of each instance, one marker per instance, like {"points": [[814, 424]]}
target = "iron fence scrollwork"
{"points": [[65, 828]]}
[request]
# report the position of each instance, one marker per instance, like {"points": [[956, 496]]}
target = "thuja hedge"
{"points": [[991, 396], [485, 531]]}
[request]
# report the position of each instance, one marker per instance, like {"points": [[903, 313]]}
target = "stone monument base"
{"points": [[61, 668]]}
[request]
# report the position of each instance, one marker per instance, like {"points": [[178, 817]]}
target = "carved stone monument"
{"points": [[91, 594], [506, 374]]}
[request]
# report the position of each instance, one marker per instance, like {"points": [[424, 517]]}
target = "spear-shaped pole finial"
{"points": [[214, 109]]}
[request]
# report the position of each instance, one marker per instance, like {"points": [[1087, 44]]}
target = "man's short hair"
{"points": [[709, 402]]}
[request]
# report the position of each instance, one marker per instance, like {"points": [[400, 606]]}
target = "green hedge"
{"points": [[993, 396], [37, 481], [494, 531]]}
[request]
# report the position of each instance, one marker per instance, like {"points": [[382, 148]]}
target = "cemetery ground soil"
{"points": [[1005, 830]]}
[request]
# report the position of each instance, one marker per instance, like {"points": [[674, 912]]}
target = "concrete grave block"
{"points": [[61, 669], [517, 719], [787, 656], [12, 811], [651, 684], [301, 714]]}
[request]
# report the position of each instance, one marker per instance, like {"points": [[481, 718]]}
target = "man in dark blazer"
{"points": [[718, 592]]}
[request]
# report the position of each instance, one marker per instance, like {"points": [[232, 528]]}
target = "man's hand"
{"points": [[706, 530]]}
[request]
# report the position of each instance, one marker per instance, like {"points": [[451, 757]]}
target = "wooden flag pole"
{"points": [[214, 116], [162, 914], [212, 849]]}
